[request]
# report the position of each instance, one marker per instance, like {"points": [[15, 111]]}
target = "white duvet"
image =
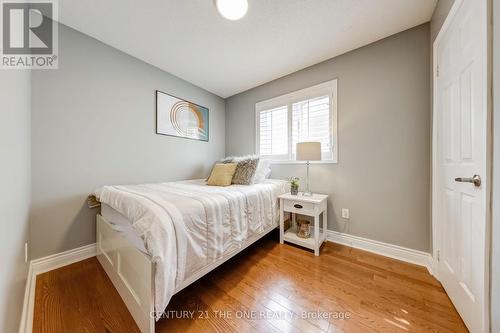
{"points": [[188, 225]]}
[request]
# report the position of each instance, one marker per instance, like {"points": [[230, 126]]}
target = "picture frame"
{"points": [[178, 117]]}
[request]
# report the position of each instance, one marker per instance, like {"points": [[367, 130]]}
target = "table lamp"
{"points": [[308, 151]]}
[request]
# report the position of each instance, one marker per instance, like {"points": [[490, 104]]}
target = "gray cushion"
{"points": [[245, 171]]}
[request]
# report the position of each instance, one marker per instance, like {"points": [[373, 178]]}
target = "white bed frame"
{"points": [[132, 271]]}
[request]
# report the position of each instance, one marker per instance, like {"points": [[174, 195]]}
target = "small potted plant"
{"points": [[294, 185]]}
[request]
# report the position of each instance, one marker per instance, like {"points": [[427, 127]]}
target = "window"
{"points": [[306, 115]]}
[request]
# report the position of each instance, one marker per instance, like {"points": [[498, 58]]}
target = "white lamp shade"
{"points": [[309, 151]]}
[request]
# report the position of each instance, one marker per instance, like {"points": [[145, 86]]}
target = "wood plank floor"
{"points": [[267, 288]]}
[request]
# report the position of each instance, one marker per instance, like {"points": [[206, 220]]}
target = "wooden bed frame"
{"points": [[132, 271]]}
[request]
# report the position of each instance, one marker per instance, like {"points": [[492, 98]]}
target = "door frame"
{"points": [[433, 265]]}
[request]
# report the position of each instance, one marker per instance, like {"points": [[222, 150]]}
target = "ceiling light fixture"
{"points": [[232, 9]]}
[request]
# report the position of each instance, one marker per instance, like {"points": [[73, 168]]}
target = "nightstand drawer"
{"points": [[300, 207]]}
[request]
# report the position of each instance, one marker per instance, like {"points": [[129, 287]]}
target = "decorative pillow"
{"points": [[262, 171], [224, 160], [222, 174], [236, 159], [245, 171]]}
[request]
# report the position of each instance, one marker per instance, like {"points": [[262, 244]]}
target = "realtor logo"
{"points": [[29, 34]]}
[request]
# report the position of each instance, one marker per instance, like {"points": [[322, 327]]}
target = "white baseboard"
{"points": [[29, 299], [58, 260], [388, 250], [43, 265]]}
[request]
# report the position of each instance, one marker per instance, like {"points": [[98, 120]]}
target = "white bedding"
{"points": [[188, 225], [120, 223]]}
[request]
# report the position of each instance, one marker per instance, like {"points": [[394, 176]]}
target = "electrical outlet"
{"points": [[26, 252], [345, 213]]}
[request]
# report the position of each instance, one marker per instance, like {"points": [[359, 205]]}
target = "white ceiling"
{"points": [[188, 38]]}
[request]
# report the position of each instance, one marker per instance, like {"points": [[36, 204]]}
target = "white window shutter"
{"points": [[311, 121], [273, 138]]}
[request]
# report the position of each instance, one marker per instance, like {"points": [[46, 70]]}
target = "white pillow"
{"points": [[268, 173], [263, 171]]}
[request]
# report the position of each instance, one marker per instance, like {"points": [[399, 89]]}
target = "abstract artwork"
{"points": [[177, 117]]}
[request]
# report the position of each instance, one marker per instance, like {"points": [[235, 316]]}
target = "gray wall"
{"points": [[383, 173], [14, 192], [495, 239], [94, 124]]}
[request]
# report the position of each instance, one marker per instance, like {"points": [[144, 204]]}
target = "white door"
{"points": [[461, 115]]}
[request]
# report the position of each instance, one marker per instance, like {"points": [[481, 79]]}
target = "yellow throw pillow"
{"points": [[222, 174]]}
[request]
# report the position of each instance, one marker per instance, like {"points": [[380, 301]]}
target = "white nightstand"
{"points": [[314, 206]]}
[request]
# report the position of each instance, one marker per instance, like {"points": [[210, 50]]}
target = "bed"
{"points": [[153, 240]]}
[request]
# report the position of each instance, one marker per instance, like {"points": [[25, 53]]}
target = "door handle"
{"points": [[476, 180]]}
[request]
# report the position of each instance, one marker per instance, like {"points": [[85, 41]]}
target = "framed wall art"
{"points": [[181, 118]]}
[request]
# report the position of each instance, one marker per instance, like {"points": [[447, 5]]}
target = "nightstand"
{"points": [[314, 206]]}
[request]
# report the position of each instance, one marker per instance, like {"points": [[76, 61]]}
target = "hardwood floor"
{"points": [[267, 288]]}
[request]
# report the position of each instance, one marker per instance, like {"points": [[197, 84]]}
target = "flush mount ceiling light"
{"points": [[232, 9]]}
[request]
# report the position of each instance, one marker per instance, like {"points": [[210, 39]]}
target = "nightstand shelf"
{"points": [[291, 236], [313, 206]]}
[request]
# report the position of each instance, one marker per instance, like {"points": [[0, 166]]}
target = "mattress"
{"points": [[123, 225]]}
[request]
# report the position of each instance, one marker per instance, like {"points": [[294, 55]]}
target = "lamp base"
{"points": [[307, 194]]}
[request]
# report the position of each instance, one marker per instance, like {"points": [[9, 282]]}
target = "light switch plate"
{"points": [[345, 213]]}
